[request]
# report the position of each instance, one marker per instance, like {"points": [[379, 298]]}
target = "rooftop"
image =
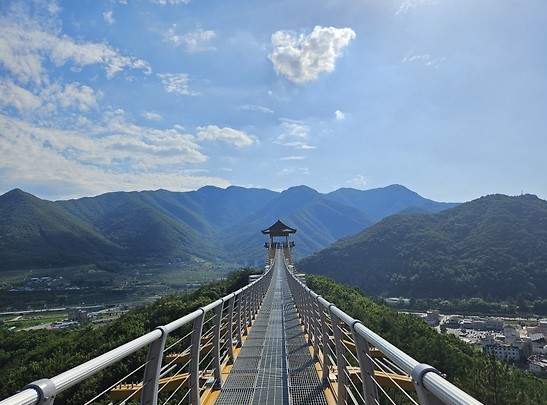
{"points": [[278, 229]]}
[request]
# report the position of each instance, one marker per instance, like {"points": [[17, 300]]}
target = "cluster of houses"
{"points": [[512, 343]]}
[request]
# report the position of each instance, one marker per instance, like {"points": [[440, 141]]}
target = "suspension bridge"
{"points": [[274, 341]]}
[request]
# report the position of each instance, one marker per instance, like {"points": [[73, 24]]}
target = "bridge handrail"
{"points": [[44, 391], [423, 375]]}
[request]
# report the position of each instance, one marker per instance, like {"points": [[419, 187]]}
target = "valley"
{"points": [[102, 284]]}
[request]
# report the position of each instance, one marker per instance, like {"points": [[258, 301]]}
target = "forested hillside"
{"points": [[40, 233], [492, 247]]}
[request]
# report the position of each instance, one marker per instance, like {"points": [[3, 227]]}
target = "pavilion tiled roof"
{"points": [[278, 229]]}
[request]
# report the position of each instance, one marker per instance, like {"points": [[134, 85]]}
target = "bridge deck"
{"points": [[274, 365]]}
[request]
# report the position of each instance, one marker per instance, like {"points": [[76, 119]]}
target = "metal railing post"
{"points": [[216, 345], [417, 374], [302, 306], [308, 318], [194, 358], [340, 362], [153, 367], [370, 390], [248, 309], [255, 302], [238, 320], [230, 332], [315, 329], [244, 310], [325, 349]]}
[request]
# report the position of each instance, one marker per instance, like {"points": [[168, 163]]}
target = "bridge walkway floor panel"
{"points": [[274, 366]]}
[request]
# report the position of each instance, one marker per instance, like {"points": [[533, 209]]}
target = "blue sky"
{"points": [[447, 97]]}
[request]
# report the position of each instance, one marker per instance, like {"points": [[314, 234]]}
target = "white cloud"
{"points": [[17, 97], [26, 46], [113, 145], [294, 133], [299, 145], [293, 129], [228, 135], [303, 58], [294, 171], [152, 116], [425, 59], [164, 2], [73, 95], [109, 17], [339, 115], [252, 107], [408, 5], [49, 99], [358, 181], [196, 41], [177, 83], [293, 158]]}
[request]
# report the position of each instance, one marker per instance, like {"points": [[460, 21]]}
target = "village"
{"points": [[516, 340]]}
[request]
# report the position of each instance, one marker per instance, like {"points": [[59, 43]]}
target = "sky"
{"points": [[446, 97]]}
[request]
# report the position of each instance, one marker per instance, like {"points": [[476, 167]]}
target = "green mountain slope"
{"points": [[495, 246], [35, 232], [210, 223], [149, 225], [318, 220], [224, 207]]}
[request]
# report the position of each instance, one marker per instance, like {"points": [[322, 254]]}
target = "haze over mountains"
{"points": [[207, 224]]}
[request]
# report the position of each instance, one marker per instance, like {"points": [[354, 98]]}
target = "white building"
{"points": [[537, 363], [514, 350], [503, 351]]}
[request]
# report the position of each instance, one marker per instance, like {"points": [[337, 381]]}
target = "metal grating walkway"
{"points": [[274, 366]]}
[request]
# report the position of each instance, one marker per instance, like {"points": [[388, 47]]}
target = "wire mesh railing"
{"points": [[359, 366]]}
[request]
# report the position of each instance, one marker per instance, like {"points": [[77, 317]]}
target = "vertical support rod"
{"points": [[244, 305], [308, 318], [254, 307], [370, 390], [194, 358], [326, 341], [230, 333], [152, 371], [340, 362], [238, 320], [216, 345], [316, 323], [248, 307]]}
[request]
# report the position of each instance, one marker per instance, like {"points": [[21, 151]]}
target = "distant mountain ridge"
{"points": [[492, 247], [386, 201], [210, 223]]}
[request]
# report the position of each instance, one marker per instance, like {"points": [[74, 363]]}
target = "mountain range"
{"points": [[207, 224], [494, 247]]}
